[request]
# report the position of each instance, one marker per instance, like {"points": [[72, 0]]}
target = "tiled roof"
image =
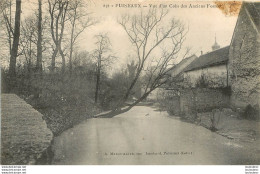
{"points": [[217, 57]]}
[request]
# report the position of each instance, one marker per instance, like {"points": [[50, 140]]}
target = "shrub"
{"points": [[227, 90], [251, 112], [63, 99], [202, 82], [169, 101]]}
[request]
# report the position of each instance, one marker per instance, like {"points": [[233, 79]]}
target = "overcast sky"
{"points": [[203, 24]]}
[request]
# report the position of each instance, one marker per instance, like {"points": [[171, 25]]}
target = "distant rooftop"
{"points": [[217, 57], [177, 68], [220, 56]]}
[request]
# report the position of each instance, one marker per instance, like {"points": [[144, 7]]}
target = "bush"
{"points": [[227, 91], [169, 101], [202, 82], [251, 112], [63, 99]]}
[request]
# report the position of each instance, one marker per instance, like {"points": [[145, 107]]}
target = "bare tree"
{"points": [[39, 40], [147, 32], [31, 45], [28, 41], [16, 35], [6, 14], [102, 55], [79, 20], [58, 10], [157, 44]]}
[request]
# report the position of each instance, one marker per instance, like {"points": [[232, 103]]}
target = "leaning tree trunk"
{"points": [[12, 65], [132, 85], [121, 109]]}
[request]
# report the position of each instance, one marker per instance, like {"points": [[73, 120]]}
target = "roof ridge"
{"points": [[214, 51], [212, 58]]}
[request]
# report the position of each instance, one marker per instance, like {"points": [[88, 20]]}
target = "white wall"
{"points": [[216, 76], [180, 67]]}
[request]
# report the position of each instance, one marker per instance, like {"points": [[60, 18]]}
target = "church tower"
{"points": [[216, 45]]}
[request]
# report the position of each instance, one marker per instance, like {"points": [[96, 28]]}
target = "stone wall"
{"points": [[24, 134], [203, 100], [244, 62]]}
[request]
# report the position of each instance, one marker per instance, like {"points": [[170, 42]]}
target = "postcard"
{"points": [[129, 82]]}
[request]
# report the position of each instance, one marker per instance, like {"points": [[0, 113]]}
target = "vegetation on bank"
{"points": [[64, 99], [51, 71]]}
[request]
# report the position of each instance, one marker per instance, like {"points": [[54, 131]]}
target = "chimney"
{"points": [[201, 52]]}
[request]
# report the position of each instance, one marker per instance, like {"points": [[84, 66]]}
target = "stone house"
{"points": [[227, 76], [244, 57], [205, 82], [235, 67]]}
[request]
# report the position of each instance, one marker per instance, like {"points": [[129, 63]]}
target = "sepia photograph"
{"points": [[130, 82]]}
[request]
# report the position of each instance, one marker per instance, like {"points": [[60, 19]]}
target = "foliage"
{"points": [[226, 90], [169, 100], [251, 112], [76, 86], [103, 58], [114, 88], [210, 81], [202, 82], [64, 100]]}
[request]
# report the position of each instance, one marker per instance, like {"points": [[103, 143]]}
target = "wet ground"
{"points": [[146, 136]]}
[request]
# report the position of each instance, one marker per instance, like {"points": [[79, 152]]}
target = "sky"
{"points": [[204, 24]]}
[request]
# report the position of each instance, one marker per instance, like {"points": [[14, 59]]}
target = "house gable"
{"points": [[244, 57], [180, 67]]}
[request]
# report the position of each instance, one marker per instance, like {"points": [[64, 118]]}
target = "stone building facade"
{"points": [[231, 74], [244, 58]]}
